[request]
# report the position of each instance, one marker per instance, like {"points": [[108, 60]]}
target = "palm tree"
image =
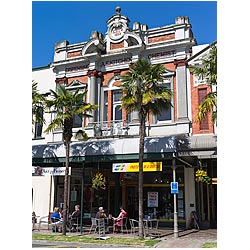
{"points": [[66, 104], [37, 104], [142, 92], [208, 72]]}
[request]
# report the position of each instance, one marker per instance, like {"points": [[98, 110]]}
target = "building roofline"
{"points": [[41, 67], [200, 52]]}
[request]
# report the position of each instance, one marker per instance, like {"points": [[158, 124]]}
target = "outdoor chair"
{"points": [[93, 225], [124, 225], [134, 226], [55, 224], [44, 220], [151, 228], [74, 224]]}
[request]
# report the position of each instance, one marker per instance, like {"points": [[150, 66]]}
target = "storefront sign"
{"points": [[117, 61], [40, 171], [161, 54], [134, 167], [152, 199], [77, 68]]}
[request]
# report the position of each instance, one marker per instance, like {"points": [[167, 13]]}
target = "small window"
{"points": [[117, 112], [105, 108], [39, 124], [166, 113], [77, 121], [202, 93]]}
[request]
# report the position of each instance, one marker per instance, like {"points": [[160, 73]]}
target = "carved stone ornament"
{"points": [[116, 30]]}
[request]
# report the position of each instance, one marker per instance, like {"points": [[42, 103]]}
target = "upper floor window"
{"points": [[116, 109], [166, 113], [73, 86], [201, 96], [38, 124]]}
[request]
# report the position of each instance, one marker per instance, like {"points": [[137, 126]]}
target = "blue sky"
{"points": [[53, 21]]}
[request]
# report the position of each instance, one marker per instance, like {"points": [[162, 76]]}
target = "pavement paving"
{"points": [[190, 238]]}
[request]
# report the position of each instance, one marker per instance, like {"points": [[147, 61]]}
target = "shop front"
{"points": [[119, 165]]}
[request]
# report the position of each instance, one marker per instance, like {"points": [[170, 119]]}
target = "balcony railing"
{"points": [[111, 128]]}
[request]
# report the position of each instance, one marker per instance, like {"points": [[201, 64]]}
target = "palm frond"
{"points": [[57, 122], [206, 106]]}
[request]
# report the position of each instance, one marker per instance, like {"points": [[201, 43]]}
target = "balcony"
{"points": [[115, 128]]}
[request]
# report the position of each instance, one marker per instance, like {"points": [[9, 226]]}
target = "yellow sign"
{"points": [[134, 167]]}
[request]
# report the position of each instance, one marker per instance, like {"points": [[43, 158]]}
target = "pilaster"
{"points": [[181, 90]]}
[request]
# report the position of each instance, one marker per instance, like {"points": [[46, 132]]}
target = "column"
{"points": [[134, 117], [181, 88], [92, 92]]}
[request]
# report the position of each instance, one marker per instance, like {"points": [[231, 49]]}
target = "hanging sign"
{"points": [[152, 199], [174, 187], [134, 167], [42, 171]]}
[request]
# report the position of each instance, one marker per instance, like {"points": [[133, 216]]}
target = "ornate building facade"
{"points": [[96, 65]]}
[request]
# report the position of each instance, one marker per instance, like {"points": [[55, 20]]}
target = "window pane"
{"points": [[202, 93], [117, 95], [39, 124], [38, 129], [77, 121], [105, 106], [165, 115], [118, 112]]}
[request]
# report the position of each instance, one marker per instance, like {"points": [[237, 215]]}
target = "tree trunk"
{"points": [[65, 200], [140, 185]]}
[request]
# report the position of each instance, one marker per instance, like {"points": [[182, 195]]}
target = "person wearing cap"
{"points": [[100, 213]]}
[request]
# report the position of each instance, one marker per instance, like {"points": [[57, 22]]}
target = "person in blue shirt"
{"points": [[56, 219]]}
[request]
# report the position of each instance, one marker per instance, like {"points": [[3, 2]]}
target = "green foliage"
{"points": [[209, 245], [99, 181], [143, 90], [38, 104], [208, 72], [201, 176], [92, 239], [66, 104]]}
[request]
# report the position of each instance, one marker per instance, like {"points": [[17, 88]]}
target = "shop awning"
{"points": [[200, 146], [115, 149], [109, 149]]}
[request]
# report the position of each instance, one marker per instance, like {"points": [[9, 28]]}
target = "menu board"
{"points": [[152, 199]]}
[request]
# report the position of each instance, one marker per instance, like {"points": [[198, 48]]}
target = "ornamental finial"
{"points": [[118, 9]]}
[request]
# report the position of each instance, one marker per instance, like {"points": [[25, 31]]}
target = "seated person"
{"points": [[56, 219], [100, 213], [73, 218], [118, 220]]}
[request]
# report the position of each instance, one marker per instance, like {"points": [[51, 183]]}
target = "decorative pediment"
{"points": [[168, 73], [76, 84], [95, 44]]}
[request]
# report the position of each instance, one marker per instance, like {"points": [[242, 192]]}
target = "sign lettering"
{"points": [[117, 61], [134, 167], [76, 68], [161, 55]]}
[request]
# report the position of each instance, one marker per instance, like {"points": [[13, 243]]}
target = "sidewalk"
{"points": [[191, 238], [188, 239]]}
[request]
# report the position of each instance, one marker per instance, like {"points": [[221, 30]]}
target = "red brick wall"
{"points": [[162, 38], [74, 54], [117, 45], [196, 126]]}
